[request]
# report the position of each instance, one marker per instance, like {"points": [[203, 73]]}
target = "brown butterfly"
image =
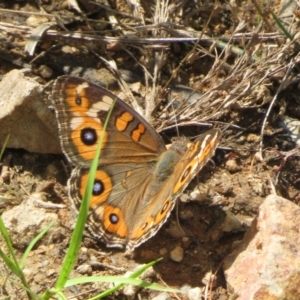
{"points": [[138, 179]]}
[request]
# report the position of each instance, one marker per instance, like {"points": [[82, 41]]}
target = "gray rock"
{"points": [[25, 115], [25, 221]]}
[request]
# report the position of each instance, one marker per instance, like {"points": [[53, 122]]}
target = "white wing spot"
{"points": [[105, 105], [81, 87], [108, 100], [75, 122]]}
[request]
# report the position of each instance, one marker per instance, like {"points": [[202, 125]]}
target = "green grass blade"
{"points": [[142, 269], [4, 146], [121, 280], [33, 242], [14, 267], [30, 293], [8, 241], [281, 26], [131, 276], [61, 296], [13, 264], [73, 249]]}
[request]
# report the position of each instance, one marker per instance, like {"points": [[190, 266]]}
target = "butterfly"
{"points": [[138, 179]]}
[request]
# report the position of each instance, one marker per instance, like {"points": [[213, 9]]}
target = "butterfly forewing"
{"points": [[197, 155], [81, 109]]}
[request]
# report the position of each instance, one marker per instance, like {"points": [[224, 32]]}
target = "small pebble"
{"points": [[52, 171], [45, 71], [147, 274], [194, 294], [199, 196], [186, 215], [163, 251], [231, 223], [253, 138], [136, 87], [70, 50], [84, 269], [186, 242], [130, 290], [50, 272], [232, 166], [184, 198], [93, 258], [35, 21], [177, 254], [162, 296]]}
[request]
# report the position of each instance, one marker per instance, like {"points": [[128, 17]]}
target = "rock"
{"points": [[25, 221], [177, 254], [130, 290], [163, 251], [186, 242], [26, 116], [50, 272], [254, 138], [84, 269], [147, 274], [231, 223], [44, 71], [194, 294], [35, 21], [266, 265], [196, 195], [232, 166], [162, 296]]}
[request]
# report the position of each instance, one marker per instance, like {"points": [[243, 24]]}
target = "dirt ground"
{"points": [[229, 189]]}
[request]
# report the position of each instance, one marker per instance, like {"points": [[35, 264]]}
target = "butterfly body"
{"points": [[138, 179]]}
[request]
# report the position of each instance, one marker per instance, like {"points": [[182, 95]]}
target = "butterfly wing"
{"points": [[194, 159], [120, 197], [162, 201], [131, 201], [82, 108]]}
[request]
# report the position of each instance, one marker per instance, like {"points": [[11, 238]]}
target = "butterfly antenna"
{"points": [[177, 218]]}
